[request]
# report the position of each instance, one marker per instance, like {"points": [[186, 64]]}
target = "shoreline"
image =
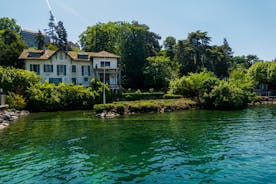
{"points": [[9, 115]]}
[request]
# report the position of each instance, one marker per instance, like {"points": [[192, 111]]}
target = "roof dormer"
{"points": [[35, 54], [83, 56]]}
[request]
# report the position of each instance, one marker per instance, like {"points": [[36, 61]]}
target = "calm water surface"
{"points": [[182, 147]]}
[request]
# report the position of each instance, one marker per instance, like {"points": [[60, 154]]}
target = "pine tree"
{"points": [[51, 30], [40, 40], [61, 36]]}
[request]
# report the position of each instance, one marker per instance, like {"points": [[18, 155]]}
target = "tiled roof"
{"points": [[105, 54], [45, 54], [74, 55]]}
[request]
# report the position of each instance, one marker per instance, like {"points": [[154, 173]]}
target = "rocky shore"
{"points": [[7, 116]]}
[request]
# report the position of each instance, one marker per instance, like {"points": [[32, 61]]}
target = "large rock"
{"points": [[107, 115]]}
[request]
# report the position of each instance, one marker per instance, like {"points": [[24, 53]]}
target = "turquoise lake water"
{"points": [[181, 147]]}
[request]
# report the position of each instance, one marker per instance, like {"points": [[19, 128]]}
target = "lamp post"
{"points": [[104, 97]]}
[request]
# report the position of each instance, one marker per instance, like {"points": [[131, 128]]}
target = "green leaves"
{"points": [[214, 93], [159, 70]]}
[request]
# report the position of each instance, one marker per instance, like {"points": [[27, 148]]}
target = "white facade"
{"points": [[63, 67]]}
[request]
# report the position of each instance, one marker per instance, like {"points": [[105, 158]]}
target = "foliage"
{"points": [[9, 24], [214, 93], [195, 54], [226, 96], [16, 101], [51, 30], [169, 46], [245, 61], [11, 46], [133, 41], [138, 95], [171, 96], [194, 85], [241, 78], [99, 86], [262, 72], [159, 70], [40, 40], [51, 46], [51, 97], [17, 80], [61, 39], [159, 105]]}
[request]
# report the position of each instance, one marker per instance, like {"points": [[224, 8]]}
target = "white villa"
{"points": [[74, 67]]}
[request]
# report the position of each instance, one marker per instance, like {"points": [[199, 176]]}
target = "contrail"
{"points": [[50, 9]]}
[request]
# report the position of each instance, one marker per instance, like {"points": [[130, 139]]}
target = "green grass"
{"points": [[158, 105]]}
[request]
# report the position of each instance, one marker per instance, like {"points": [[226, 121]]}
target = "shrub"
{"points": [[194, 85], [51, 97], [226, 96], [138, 95], [16, 101], [17, 80], [158, 105], [171, 96]]}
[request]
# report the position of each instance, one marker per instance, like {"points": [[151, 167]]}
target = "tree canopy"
{"points": [[133, 41], [9, 24]]}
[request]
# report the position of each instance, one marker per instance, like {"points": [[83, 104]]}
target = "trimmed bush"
{"points": [[138, 95], [160, 105], [171, 96]]}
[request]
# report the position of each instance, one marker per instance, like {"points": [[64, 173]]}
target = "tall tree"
{"points": [[199, 42], [40, 40], [61, 36], [51, 28], [169, 45], [158, 71], [133, 41], [11, 46], [9, 24]]}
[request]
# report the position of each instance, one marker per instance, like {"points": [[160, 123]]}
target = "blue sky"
{"points": [[248, 25]]}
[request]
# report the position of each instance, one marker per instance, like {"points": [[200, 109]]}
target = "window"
{"points": [[61, 56], [105, 63], [48, 68], [82, 56], [107, 81], [61, 69], [74, 69], [85, 70], [35, 68], [74, 80], [55, 80], [85, 79]]}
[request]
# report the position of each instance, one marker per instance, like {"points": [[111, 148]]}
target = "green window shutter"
{"points": [[52, 68], [31, 67], [38, 69], [58, 70], [44, 66], [88, 70], [64, 69], [82, 71]]}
